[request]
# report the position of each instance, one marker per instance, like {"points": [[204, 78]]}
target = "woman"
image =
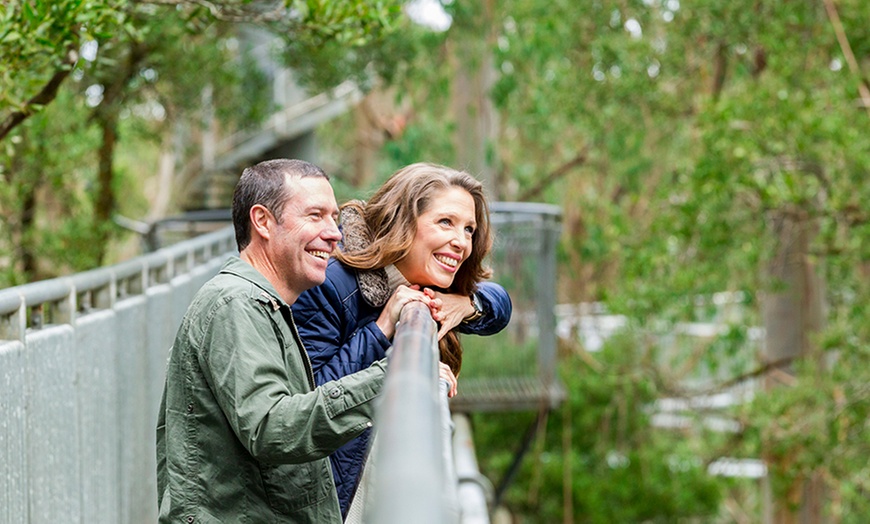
{"points": [[422, 236]]}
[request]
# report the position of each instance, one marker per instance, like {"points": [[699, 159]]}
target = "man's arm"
{"points": [[262, 387]]}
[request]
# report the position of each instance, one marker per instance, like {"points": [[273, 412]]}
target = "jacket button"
{"points": [[335, 393], [190, 410], [189, 518]]}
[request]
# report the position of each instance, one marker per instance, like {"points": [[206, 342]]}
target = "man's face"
{"points": [[307, 234]]}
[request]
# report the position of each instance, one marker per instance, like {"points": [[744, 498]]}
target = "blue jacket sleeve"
{"points": [[497, 307], [335, 346]]}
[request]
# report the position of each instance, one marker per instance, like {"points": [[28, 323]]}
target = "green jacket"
{"points": [[242, 433]]}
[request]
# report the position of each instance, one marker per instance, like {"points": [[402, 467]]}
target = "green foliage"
{"points": [[344, 38], [696, 127], [692, 127], [620, 468], [82, 79], [36, 37], [55, 198], [817, 425]]}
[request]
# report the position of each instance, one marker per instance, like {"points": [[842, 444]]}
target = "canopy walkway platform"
{"points": [[82, 366]]}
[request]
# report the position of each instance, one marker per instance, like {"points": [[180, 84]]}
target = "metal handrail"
{"points": [[130, 277], [410, 481]]}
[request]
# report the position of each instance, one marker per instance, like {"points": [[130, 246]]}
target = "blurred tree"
{"points": [[75, 74], [694, 149]]}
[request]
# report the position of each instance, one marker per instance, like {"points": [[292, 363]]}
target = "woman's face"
{"points": [[443, 239]]}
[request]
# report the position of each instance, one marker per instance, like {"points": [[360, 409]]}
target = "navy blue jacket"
{"points": [[337, 326]]}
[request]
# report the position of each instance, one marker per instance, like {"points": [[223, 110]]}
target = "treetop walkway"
{"points": [[82, 362]]}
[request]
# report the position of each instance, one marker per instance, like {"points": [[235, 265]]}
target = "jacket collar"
{"points": [[262, 290], [375, 285]]}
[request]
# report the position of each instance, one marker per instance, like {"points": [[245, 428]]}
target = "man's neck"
{"points": [[265, 267]]}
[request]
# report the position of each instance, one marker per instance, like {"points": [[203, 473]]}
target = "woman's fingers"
{"points": [[393, 308], [445, 373], [453, 309]]}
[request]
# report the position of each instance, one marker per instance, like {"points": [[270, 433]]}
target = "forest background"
{"points": [[718, 149]]}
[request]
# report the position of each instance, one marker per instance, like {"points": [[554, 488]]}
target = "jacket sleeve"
{"points": [[497, 307], [261, 386], [323, 321]]}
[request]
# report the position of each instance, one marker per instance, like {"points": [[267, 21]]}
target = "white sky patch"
{"points": [[151, 109], [633, 27], [731, 467], [615, 18], [89, 50], [597, 73], [94, 95], [148, 74], [429, 13]]}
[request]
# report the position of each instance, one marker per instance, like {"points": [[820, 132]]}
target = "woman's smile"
{"points": [[443, 239]]}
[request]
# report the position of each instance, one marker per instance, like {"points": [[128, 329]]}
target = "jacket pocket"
{"points": [[290, 487]]}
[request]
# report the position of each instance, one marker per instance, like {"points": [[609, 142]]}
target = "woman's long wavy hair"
{"points": [[391, 216]]}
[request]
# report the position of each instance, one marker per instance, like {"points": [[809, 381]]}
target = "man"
{"points": [[243, 433]]}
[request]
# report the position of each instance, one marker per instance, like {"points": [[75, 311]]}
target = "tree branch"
{"points": [[558, 173], [765, 369], [834, 17], [46, 95], [226, 13]]}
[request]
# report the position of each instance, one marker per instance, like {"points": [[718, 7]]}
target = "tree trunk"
{"points": [[104, 205], [27, 225], [162, 195], [366, 143], [474, 75], [106, 117], [792, 314]]}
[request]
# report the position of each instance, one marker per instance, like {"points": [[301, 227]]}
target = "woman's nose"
{"points": [[460, 239]]}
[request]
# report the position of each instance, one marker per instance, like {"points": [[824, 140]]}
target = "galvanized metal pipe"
{"points": [[475, 490], [409, 481]]}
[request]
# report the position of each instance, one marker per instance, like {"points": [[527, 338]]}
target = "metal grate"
{"points": [[516, 369], [506, 394]]}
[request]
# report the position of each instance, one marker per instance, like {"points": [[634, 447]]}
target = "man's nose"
{"points": [[332, 232]]}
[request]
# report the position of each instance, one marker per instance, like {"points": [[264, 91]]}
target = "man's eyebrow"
{"points": [[323, 210], [320, 208]]}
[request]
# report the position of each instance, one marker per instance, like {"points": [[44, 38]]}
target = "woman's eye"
{"points": [[445, 221], [469, 230]]}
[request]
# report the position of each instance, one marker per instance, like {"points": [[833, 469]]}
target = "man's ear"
{"points": [[261, 221]]}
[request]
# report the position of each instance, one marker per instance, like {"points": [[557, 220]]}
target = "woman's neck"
{"points": [[395, 278]]}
